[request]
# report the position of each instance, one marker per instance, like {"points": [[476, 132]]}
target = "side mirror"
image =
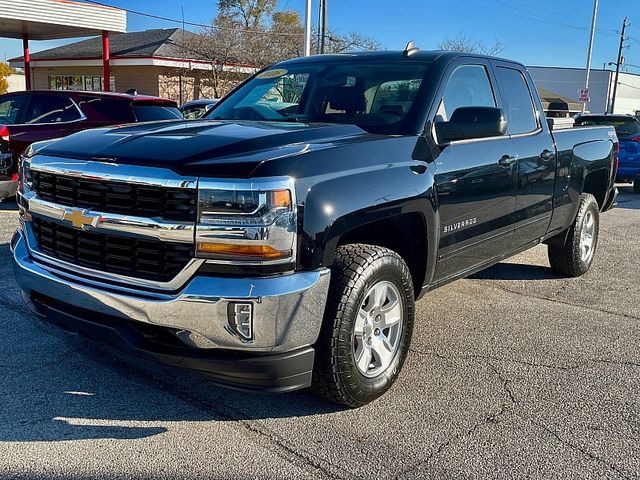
{"points": [[472, 122]]}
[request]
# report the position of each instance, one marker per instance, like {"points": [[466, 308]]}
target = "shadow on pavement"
{"points": [[8, 206], [56, 386], [626, 198], [516, 271]]}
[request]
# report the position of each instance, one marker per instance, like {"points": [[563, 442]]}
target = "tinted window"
{"points": [[51, 109], [376, 96], [106, 109], [625, 126], [151, 113], [10, 107], [521, 117], [468, 86], [395, 97]]}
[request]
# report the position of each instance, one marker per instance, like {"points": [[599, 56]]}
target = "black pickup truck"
{"points": [[282, 241]]}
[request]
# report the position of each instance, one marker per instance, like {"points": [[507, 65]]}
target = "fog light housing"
{"points": [[240, 316]]}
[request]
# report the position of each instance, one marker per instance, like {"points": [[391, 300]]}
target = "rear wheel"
{"points": [[636, 185], [367, 326], [574, 257]]}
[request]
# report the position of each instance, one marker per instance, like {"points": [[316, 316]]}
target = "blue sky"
{"points": [[544, 32]]}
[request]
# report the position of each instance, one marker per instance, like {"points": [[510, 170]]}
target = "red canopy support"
{"points": [[27, 61], [106, 75]]}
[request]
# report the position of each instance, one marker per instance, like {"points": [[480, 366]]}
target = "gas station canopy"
{"points": [[55, 19]]}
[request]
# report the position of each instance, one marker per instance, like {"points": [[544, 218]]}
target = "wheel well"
{"points": [[596, 184], [405, 234]]}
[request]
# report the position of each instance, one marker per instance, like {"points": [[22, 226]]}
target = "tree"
{"points": [[5, 72], [247, 35], [464, 43], [350, 42], [250, 13]]}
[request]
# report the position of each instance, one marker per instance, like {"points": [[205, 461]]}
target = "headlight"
{"points": [[247, 221], [24, 174]]}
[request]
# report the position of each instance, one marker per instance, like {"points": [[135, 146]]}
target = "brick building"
{"points": [[153, 62]]}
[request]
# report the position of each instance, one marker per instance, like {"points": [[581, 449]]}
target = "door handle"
{"points": [[507, 161], [547, 155]]}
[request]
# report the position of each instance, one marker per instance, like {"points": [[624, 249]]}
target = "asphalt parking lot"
{"points": [[514, 373]]}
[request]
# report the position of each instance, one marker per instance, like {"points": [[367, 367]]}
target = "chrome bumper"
{"points": [[8, 188], [287, 309]]}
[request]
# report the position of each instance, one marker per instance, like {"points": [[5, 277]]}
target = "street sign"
{"points": [[583, 95]]}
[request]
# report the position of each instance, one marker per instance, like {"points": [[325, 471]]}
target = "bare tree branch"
{"points": [[465, 43]]}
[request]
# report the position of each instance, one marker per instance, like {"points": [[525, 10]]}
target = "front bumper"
{"points": [[191, 328], [8, 188]]}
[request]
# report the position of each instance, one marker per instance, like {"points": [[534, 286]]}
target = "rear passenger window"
{"points": [[102, 109], [152, 113], [468, 86], [51, 109], [521, 116]]}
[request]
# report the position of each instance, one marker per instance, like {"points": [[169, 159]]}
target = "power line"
{"points": [[192, 24], [537, 18]]}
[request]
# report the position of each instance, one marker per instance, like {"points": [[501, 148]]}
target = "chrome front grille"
{"points": [[131, 257], [168, 203], [120, 223]]}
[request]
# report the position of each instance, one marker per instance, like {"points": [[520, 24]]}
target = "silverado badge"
{"points": [[80, 219]]}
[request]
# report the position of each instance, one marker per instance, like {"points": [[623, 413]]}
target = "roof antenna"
{"points": [[410, 49]]}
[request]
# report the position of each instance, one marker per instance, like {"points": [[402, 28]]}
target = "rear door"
{"points": [[474, 180], [536, 167]]}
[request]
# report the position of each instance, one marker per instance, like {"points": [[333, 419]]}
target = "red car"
{"points": [[28, 117]]}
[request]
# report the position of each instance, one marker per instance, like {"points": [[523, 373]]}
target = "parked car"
{"points": [[628, 131], [288, 251], [32, 116], [197, 108]]}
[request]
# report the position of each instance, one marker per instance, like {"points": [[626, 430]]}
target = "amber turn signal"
{"points": [[252, 251], [280, 198]]}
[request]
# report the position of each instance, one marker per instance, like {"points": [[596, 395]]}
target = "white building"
{"points": [[16, 82], [567, 82]]}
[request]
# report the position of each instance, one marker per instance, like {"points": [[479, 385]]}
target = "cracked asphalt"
{"points": [[513, 373]]}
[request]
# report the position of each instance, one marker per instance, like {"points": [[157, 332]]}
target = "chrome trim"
{"points": [[111, 223], [106, 279], [112, 172], [280, 233], [287, 309]]}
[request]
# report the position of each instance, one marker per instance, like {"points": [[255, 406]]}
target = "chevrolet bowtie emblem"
{"points": [[79, 219]]}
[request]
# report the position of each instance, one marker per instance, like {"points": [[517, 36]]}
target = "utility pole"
{"points": [[619, 64], [323, 37], [307, 29], [591, 38]]}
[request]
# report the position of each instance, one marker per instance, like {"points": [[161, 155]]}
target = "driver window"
{"points": [[468, 86]]}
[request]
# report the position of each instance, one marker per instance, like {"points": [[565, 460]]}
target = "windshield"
{"points": [[625, 126], [375, 96]]}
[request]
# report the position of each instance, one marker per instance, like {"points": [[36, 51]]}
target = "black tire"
{"points": [[357, 268], [636, 185], [566, 257]]}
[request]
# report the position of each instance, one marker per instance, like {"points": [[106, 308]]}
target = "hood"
{"points": [[203, 147]]}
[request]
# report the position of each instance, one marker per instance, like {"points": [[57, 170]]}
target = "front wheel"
{"points": [[636, 185], [574, 257], [367, 326]]}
